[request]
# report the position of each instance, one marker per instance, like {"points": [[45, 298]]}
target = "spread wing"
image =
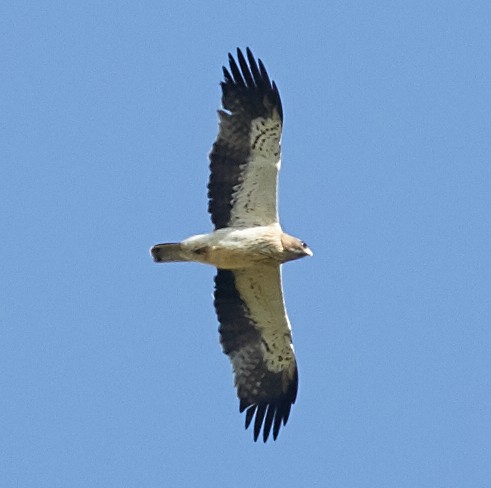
{"points": [[255, 333], [245, 158]]}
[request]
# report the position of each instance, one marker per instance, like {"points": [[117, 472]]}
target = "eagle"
{"points": [[248, 245]]}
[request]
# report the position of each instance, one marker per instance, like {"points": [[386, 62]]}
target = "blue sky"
{"points": [[111, 372]]}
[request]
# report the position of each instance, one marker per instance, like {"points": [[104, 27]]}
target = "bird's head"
{"points": [[294, 248]]}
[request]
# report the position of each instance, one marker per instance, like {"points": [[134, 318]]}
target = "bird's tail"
{"points": [[167, 253]]}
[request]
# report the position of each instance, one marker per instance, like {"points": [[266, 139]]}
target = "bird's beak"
{"points": [[309, 252]]}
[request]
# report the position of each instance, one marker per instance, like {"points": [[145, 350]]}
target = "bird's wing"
{"points": [[245, 158], [255, 333]]}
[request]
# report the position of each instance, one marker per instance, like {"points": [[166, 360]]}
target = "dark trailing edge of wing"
{"points": [[247, 93], [271, 405]]}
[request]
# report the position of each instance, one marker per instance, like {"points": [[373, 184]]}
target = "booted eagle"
{"points": [[248, 245]]}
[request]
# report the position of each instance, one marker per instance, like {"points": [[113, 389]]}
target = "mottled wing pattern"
{"points": [[255, 333], [245, 158]]}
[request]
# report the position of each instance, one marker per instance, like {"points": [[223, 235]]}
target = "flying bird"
{"points": [[248, 245]]}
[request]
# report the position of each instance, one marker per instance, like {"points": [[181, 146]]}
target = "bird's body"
{"points": [[248, 246], [232, 248]]}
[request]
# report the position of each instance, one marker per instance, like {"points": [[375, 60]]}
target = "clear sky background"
{"points": [[110, 368]]}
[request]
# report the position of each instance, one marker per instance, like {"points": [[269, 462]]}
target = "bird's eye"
{"points": [[304, 245]]}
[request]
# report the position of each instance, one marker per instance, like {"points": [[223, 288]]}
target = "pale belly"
{"points": [[229, 258], [235, 248]]}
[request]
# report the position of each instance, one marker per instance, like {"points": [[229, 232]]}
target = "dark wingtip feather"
{"points": [[277, 425], [250, 415], [264, 73], [261, 410], [243, 405], [227, 75], [246, 72], [239, 81], [268, 421], [255, 70], [247, 83], [271, 414]]}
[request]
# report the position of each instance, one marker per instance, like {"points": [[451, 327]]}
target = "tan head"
{"points": [[294, 248]]}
